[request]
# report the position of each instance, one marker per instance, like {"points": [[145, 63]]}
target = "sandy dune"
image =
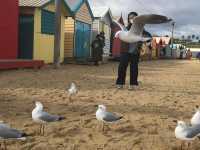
{"points": [[169, 90]]}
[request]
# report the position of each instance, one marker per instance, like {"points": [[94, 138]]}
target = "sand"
{"points": [[169, 90]]}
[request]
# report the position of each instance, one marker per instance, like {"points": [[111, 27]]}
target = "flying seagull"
{"points": [[196, 117], [104, 116], [185, 132], [135, 34], [42, 117], [6, 132], [72, 90]]}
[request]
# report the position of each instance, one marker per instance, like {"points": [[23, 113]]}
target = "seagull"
{"points": [[107, 117], [196, 117], [72, 90], [185, 132], [135, 33], [42, 117], [6, 132]]}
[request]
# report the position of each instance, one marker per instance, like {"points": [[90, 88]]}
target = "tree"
{"points": [[182, 37], [193, 36]]}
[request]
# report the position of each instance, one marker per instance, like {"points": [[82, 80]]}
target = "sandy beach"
{"points": [[169, 90]]}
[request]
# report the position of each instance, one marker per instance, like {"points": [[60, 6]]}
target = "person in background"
{"points": [[102, 38], [181, 52], [97, 49], [102, 35], [129, 53], [188, 54]]}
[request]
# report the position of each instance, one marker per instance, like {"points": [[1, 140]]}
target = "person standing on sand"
{"points": [[129, 53], [97, 49]]}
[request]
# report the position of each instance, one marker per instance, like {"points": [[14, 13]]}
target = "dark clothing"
{"points": [[102, 38], [126, 56], [124, 60], [97, 50], [129, 54], [124, 47]]}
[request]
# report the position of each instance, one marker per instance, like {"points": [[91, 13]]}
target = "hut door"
{"points": [[26, 28], [87, 40], [79, 40], [82, 40]]}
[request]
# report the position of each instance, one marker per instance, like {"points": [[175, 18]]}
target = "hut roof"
{"points": [[41, 3], [100, 12], [165, 40], [33, 3], [75, 5]]}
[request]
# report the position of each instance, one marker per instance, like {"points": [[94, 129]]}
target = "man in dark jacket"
{"points": [[97, 49], [129, 53]]}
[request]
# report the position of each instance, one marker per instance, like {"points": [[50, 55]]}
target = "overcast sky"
{"points": [[186, 13]]}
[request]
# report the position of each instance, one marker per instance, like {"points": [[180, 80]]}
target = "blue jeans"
{"points": [[125, 58]]}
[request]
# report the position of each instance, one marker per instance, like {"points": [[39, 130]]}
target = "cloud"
{"points": [[186, 14]]}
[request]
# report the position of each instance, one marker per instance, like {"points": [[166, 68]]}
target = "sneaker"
{"points": [[120, 86], [131, 87]]}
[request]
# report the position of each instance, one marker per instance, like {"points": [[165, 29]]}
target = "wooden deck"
{"points": [[20, 63]]}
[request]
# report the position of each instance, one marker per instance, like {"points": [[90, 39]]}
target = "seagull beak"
{"points": [[170, 19], [95, 106]]}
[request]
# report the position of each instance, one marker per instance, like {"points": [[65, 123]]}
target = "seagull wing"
{"points": [[44, 116], [151, 19], [2, 124], [140, 21], [6, 132], [122, 27], [193, 131], [110, 117]]}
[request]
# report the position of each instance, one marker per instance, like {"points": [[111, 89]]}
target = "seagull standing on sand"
{"points": [[185, 132], [42, 117], [6, 132], [104, 116], [196, 117], [135, 33], [72, 90]]}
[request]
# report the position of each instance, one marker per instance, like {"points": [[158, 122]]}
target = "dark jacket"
{"points": [[124, 47], [97, 49]]}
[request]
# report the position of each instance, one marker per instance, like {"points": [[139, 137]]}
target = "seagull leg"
{"points": [[70, 97], [82, 120], [5, 147], [188, 145], [43, 129], [182, 145], [40, 129], [103, 126]]}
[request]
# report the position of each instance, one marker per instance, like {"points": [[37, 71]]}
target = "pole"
{"points": [[57, 33], [172, 38]]}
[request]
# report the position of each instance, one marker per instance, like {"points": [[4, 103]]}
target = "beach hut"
{"points": [[165, 47], [37, 28], [78, 31], [102, 22], [116, 42], [195, 52], [161, 47], [9, 29], [154, 47]]}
